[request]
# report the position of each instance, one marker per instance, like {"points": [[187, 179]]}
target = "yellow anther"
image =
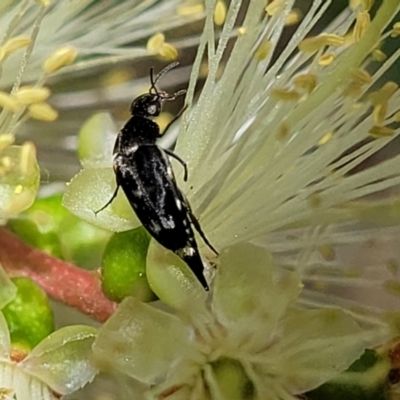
{"points": [[306, 81], [315, 43], [367, 4], [293, 18], [60, 58], [381, 131], [2, 54], [18, 189], [283, 131], [6, 140], [384, 93], [28, 158], [395, 30], [220, 13], [378, 55], [325, 139], [8, 102], [43, 112], [6, 165], [116, 77], [379, 113], [29, 94], [43, 2], [285, 95], [7, 162], [364, 4], [327, 252], [363, 21], [16, 43], [242, 31], [168, 52], [348, 38], [353, 89], [354, 4], [273, 7], [396, 116], [360, 77], [157, 45], [155, 42], [356, 106], [188, 10], [263, 50], [389, 89], [326, 59]]}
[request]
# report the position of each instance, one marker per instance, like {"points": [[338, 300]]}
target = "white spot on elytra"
{"points": [[133, 148], [154, 227], [168, 223], [188, 251]]}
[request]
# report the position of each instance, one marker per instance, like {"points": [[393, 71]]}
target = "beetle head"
{"points": [[149, 104]]}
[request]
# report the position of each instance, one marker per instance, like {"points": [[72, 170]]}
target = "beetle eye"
{"points": [[152, 109]]}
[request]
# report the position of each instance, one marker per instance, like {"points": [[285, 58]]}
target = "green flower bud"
{"points": [[30, 232], [232, 379], [29, 315], [50, 227], [124, 266]]}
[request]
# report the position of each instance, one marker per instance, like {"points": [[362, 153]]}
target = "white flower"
{"points": [[56, 366], [38, 39], [102, 32], [249, 341], [273, 142]]}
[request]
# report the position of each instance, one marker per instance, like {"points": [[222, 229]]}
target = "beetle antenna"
{"points": [[152, 81], [175, 95], [164, 71]]}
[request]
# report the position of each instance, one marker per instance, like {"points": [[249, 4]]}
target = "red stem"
{"points": [[60, 280]]}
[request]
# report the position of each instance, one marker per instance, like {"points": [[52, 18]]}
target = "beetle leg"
{"points": [[172, 154], [174, 119], [108, 202], [196, 224]]}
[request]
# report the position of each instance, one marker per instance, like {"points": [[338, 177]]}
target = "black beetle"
{"points": [[144, 172]]}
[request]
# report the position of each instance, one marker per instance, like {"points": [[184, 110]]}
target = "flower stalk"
{"points": [[62, 281]]}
